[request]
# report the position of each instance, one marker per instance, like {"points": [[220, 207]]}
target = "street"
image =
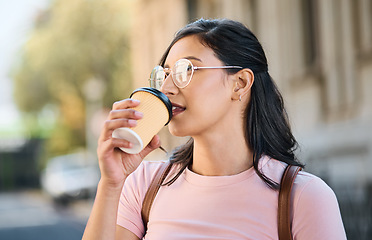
{"points": [[30, 215]]}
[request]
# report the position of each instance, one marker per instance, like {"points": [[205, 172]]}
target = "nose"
{"points": [[168, 87]]}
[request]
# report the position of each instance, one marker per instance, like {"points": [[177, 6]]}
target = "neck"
{"points": [[213, 157]]}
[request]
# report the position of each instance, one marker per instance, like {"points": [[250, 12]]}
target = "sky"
{"points": [[16, 19]]}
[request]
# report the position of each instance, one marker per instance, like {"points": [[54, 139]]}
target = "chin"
{"points": [[178, 131]]}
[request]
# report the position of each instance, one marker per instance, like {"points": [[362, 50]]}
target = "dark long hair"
{"points": [[267, 130]]}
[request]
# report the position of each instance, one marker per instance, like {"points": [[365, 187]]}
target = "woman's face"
{"points": [[204, 105]]}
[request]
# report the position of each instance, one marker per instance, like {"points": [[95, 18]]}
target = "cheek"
{"points": [[210, 95], [209, 107], [207, 102], [208, 87]]}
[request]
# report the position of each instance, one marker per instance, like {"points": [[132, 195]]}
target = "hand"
{"points": [[115, 165]]}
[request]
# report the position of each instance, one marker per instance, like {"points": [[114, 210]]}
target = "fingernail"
{"points": [[138, 114], [135, 101], [132, 122]]}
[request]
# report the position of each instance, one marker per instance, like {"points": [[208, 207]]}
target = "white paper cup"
{"points": [[157, 112]]}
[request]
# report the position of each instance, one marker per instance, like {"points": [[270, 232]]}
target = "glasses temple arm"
{"points": [[196, 68]]}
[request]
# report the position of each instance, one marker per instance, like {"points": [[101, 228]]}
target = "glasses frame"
{"points": [[193, 68]]}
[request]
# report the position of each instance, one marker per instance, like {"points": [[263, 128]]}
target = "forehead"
{"points": [[190, 47]]}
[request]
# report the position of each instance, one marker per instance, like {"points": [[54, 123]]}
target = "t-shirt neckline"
{"points": [[219, 181]]}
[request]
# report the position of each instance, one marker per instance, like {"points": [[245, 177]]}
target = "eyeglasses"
{"points": [[181, 73]]}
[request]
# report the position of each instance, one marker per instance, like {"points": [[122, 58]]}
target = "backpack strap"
{"points": [[160, 175], [284, 203]]}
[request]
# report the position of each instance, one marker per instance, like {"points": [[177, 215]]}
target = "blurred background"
{"points": [[64, 62]]}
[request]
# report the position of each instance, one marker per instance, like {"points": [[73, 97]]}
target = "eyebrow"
{"points": [[188, 58], [193, 58]]}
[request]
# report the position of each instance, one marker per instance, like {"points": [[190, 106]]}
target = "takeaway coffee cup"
{"points": [[157, 112]]}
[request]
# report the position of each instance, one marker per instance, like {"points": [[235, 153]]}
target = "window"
{"points": [[362, 21], [192, 10], [310, 30]]}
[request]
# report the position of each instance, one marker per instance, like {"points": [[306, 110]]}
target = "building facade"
{"points": [[320, 55]]}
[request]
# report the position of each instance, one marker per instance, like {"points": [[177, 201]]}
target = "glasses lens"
{"points": [[157, 77], [182, 72]]}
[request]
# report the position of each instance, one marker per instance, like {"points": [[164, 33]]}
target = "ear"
{"points": [[243, 81]]}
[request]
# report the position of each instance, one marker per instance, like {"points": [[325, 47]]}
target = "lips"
{"points": [[177, 109]]}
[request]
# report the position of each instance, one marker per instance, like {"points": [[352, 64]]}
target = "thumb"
{"points": [[154, 144]]}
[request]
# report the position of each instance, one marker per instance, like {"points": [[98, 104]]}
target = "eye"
{"points": [[189, 68]]}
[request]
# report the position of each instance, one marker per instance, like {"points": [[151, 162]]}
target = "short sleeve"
{"points": [[316, 212], [132, 195]]}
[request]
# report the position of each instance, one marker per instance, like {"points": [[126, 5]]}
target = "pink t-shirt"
{"points": [[228, 207]]}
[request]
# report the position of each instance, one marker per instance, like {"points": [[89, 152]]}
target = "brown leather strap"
{"points": [[284, 203], [160, 175]]}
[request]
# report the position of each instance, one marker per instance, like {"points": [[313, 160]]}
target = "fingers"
{"points": [[121, 115], [110, 125], [126, 103], [111, 144], [125, 113]]}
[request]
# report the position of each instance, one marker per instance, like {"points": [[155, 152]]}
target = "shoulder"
{"points": [[132, 195], [311, 195], [308, 189], [305, 183], [309, 184], [308, 192], [149, 168], [141, 178], [311, 192], [315, 209]]}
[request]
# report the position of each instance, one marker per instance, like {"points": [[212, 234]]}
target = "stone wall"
{"points": [[320, 55]]}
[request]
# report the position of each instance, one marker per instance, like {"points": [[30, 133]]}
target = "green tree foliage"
{"points": [[73, 41]]}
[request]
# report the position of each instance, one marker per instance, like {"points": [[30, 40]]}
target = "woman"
{"points": [[224, 181]]}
